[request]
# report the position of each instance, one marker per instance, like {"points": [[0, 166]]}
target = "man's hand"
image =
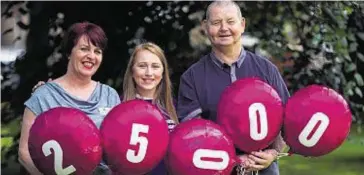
{"points": [[245, 162], [261, 159]]}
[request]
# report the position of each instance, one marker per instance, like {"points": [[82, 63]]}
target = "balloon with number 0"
{"points": [[251, 112], [317, 121], [64, 141], [134, 137], [200, 147]]}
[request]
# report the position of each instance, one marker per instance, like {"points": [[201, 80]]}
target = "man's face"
{"points": [[224, 26]]}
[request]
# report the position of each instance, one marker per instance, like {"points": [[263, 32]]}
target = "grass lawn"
{"points": [[348, 159]]}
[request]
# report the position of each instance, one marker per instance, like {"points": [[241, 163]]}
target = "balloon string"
{"points": [[280, 155], [242, 171]]}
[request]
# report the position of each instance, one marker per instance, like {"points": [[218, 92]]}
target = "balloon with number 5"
{"points": [[64, 141], [134, 137], [251, 112], [317, 121], [200, 147]]}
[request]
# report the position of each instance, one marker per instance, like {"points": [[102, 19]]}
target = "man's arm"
{"points": [[188, 106], [278, 144], [280, 86], [265, 158]]}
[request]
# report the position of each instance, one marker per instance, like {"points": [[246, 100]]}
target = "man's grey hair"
{"points": [[223, 3]]}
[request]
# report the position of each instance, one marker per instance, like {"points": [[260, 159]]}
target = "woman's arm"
{"points": [[24, 155]]}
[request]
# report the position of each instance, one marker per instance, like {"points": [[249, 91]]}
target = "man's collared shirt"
{"points": [[203, 83]]}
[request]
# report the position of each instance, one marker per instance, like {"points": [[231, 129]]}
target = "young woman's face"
{"points": [[85, 58], [147, 72]]}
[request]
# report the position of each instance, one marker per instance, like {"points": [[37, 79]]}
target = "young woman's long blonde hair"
{"points": [[163, 94]]}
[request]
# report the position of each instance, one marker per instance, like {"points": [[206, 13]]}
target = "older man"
{"points": [[203, 83]]}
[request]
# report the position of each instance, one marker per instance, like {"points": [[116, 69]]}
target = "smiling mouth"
{"points": [[147, 80], [88, 65]]}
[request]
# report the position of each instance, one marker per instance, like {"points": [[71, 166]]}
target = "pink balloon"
{"points": [[200, 147], [135, 137], [251, 112], [65, 141], [317, 121]]}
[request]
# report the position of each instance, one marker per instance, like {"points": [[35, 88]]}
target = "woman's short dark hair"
{"points": [[93, 32]]}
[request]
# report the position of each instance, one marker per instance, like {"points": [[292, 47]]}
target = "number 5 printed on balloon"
{"points": [[58, 157], [135, 138]]}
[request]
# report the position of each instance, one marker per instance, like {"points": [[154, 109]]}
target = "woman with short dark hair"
{"points": [[83, 46]]}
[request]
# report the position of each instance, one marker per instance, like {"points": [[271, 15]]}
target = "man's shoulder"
{"points": [[198, 66]]}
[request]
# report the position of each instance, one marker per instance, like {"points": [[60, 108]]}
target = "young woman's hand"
{"points": [[40, 83]]}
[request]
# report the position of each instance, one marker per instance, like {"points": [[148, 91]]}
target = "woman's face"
{"points": [[147, 72], [85, 58]]}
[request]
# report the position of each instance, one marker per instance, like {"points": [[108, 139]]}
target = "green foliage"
{"points": [[322, 38], [9, 141]]}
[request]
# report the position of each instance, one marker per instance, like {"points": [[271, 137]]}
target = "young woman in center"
{"points": [[147, 78]]}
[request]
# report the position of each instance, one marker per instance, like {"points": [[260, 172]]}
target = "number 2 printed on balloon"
{"points": [[211, 165], [254, 110], [317, 117], [134, 140], [58, 157]]}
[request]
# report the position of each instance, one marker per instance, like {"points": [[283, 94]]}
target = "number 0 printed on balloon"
{"points": [[211, 165], [134, 140], [58, 157], [317, 117], [254, 110]]}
